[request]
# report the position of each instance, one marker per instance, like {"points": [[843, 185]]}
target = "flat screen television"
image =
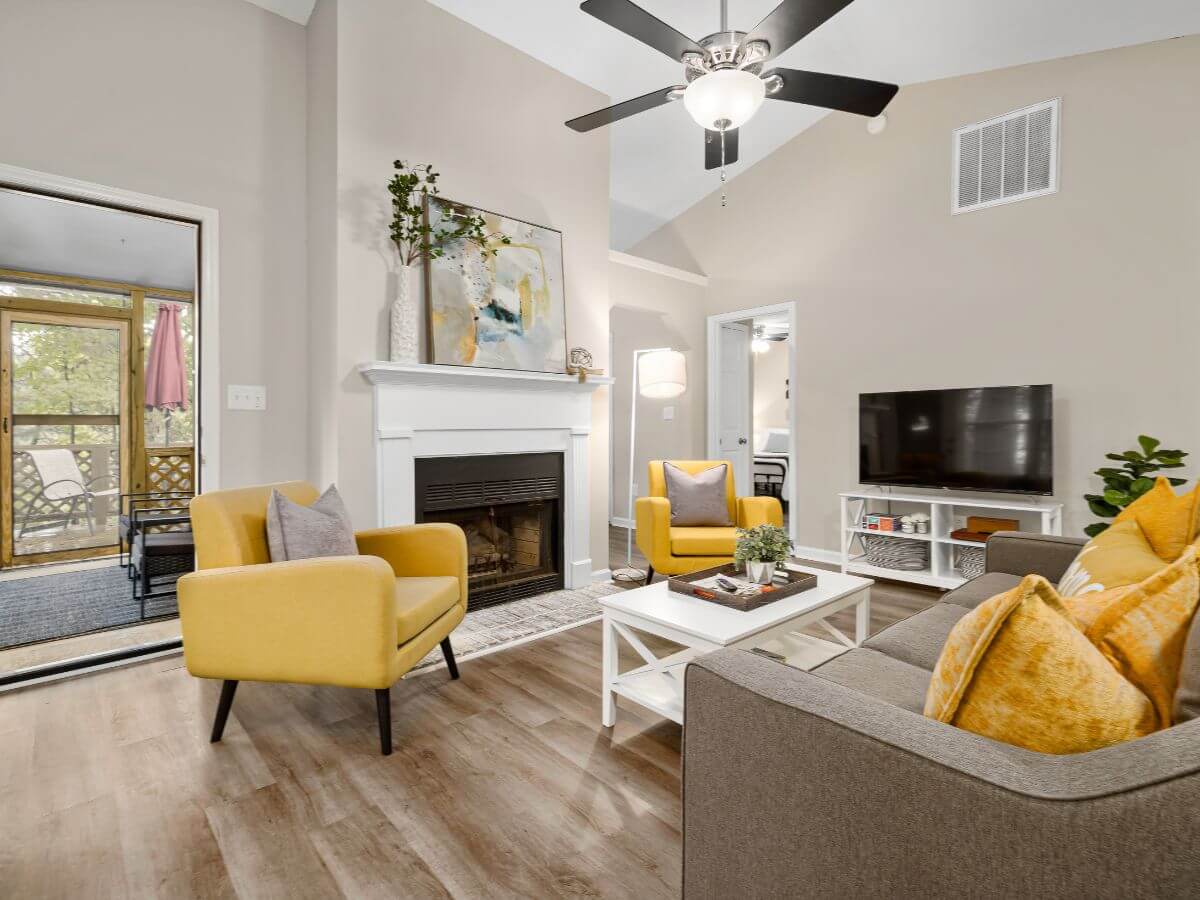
{"points": [[972, 439]]}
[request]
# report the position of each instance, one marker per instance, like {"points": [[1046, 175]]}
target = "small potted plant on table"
{"points": [[760, 550]]}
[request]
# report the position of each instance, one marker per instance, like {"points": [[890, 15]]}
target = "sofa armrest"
{"points": [[431, 548], [330, 620], [1024, 553], [652, 518], [797, 786]]}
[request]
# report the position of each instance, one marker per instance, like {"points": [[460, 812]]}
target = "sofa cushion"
{"points": [[1187, 695], [918, 640], [1117, 557], [1168, 520], [1017, 669], [700, 498], [421, 602], [985, 587], [879, 676], [703, 541]]}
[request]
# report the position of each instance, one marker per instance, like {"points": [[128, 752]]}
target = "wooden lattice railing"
{"points": [[171, 469]]}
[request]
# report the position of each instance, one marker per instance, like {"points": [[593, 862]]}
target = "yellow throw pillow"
{"points": [[1117, 557], [1017, 669], [1169, 521], [1142, 631]]}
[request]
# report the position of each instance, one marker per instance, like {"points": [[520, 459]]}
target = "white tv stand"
{"points": [[1034, 515]]}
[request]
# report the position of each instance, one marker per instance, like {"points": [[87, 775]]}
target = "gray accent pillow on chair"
{"points": [[697, 500], [304, 532]]}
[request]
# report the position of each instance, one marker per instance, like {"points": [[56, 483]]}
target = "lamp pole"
{"points": [[629, 573]]}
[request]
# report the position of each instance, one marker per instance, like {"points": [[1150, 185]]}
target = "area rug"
{"points": [[44, 607], [508, 624]]}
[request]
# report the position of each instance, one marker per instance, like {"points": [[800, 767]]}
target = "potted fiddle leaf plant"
{"points": [[411, 189], [1134, 477], [760, 550]]}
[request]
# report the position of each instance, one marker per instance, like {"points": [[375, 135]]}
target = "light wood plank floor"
{"points": [[503, 784]]}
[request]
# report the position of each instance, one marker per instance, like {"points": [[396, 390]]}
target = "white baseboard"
{"points": [[602, 575], [816, 554], [621, 522]]}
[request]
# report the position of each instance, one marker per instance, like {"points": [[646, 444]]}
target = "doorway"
{"points": [[751, 404]]}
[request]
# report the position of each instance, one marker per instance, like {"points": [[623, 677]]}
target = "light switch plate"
{"points": [[668, 413], [246, 396]]}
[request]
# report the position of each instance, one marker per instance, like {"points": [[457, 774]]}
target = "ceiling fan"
{"points": [[725, 72]]}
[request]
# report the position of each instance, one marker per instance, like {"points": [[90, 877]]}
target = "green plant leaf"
{"points": [[1148, 444], [1176, 482], [1116, 498], [1100, 508], [1140, 486], [1095, 528]]}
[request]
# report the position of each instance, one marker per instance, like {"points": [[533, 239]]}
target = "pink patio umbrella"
{"points": [[166, 369]]}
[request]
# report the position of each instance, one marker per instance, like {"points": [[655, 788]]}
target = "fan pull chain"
{"points": [[724, 201]]}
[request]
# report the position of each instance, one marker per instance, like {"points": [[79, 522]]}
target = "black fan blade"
{"points": [[793, 19], [852, 95], [712, 148], [637, 23], [622, 110]]}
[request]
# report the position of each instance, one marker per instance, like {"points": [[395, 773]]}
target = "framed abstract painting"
{"points": [[501, 305]]}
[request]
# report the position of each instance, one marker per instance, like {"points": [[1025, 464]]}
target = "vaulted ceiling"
{"points": [[657, 157]]}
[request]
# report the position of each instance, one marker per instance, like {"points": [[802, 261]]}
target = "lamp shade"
{"points": [[662, 374], [724, 99]]}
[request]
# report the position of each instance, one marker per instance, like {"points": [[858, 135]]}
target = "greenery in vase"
{"points": [[1125, 484], [764, 543], [411, 188]]}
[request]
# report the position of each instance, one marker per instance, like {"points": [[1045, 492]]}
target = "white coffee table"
{"points": [[701, 626]]}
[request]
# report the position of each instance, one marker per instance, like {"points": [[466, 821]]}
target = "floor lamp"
{"points": [[660, 374]]}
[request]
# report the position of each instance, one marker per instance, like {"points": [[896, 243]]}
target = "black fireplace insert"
{"points": [[510, 507]]}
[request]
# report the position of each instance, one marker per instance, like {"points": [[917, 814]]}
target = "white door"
{"points": [[733, 402]]}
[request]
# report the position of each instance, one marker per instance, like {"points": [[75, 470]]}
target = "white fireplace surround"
{"points": [[429, 411]]}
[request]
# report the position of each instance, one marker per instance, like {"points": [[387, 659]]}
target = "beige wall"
{"points": [[770, 389], [653, 310], [490, 119], [200, 102], [1094, 289]]}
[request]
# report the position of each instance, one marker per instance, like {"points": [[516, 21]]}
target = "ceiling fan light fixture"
{"points": [[724, 99]]}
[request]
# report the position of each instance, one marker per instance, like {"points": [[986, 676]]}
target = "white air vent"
{"points": [[1008, 158]]}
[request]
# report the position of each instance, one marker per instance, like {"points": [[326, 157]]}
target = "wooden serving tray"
{"points": [[777, 590]]}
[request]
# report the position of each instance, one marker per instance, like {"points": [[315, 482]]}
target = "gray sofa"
{"points": [[831, 783]]}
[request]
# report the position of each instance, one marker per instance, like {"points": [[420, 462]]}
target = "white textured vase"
{"points": [[760, 572], [405, 337]]}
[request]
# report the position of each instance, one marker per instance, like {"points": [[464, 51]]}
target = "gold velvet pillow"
{"points": [[1141, 631], [1117, 557], [1017, 669], [1168, 521]]}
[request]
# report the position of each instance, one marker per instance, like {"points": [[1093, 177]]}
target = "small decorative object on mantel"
{"points": [[728, 586], [761, 548], [579, 362], [496, 301], [411, 188]]}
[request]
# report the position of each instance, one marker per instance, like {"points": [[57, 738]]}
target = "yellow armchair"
{"points": [[677, 551], [350, 621]]}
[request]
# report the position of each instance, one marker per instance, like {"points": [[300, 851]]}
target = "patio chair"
{"points": [[63, 484]]}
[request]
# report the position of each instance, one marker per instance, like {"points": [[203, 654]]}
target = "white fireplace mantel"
{"points": [[431, 411]]}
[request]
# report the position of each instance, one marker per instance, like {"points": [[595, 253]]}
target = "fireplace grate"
{"points": [[517, 590], [478, 493]]}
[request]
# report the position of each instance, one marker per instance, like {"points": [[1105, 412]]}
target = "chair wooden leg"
{"points": [[649, 574], [383, 705], [448, 652], [223, 705]]}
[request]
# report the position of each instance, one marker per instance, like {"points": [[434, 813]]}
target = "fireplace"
{"points": [[510, 507]]}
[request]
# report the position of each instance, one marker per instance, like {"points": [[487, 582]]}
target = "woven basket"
{"points": [[895, 553], [969, 561]]}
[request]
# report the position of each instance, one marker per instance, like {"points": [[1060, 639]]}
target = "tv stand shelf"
{"points": [[1040, 516]]}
